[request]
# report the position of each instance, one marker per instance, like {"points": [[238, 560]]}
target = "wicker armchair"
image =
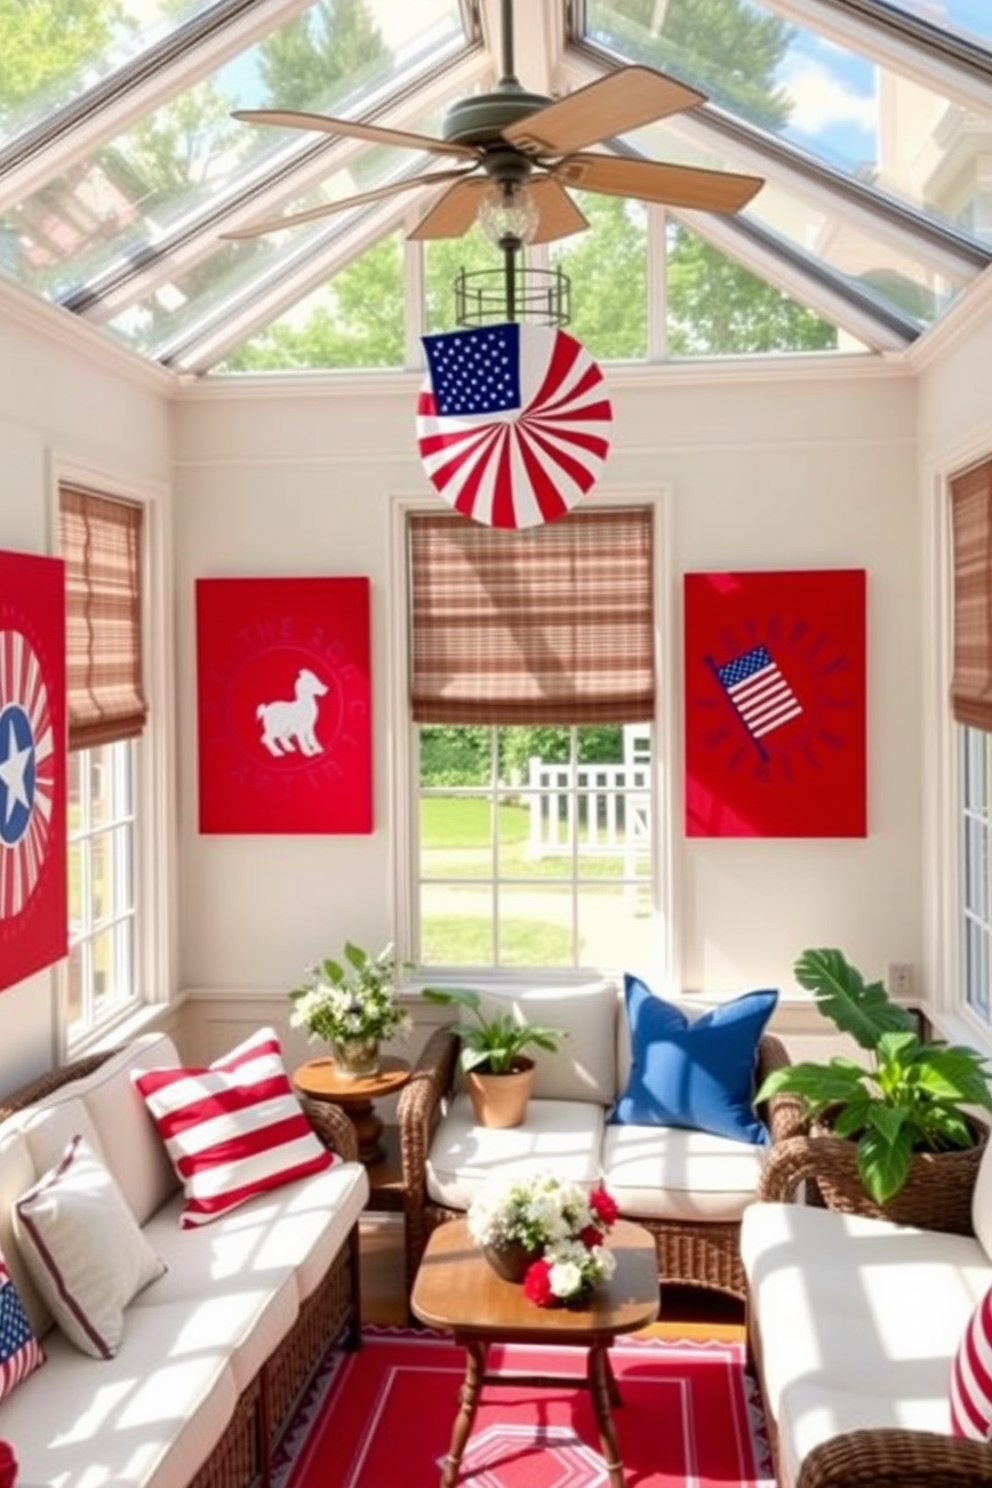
{"points": [[689, 1253], [886, 1457]]}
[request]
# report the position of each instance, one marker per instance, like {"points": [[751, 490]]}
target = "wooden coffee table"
{"points": [[457, 1291]]}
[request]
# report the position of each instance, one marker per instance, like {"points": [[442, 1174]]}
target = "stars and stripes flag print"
{"points": [[758, 691], [513, 422]]}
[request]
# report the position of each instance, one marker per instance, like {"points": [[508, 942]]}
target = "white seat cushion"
{"points": [[670, 1172], [859, 1320], [565, 1136], [150, 1416]]}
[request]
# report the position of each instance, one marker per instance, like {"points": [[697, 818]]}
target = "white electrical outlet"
{"points": [[899, 979]]}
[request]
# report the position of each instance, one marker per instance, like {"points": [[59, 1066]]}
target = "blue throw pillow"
{"points": [[696, 1073]]}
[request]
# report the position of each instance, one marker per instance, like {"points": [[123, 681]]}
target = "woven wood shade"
{"points": [[552, 624], [971, 517], [100, 541]]}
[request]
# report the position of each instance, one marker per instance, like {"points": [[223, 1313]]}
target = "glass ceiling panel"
{"points": [[971, 19], [889, 272], [54, 50], [190, 298], [165, 172], [832, 103]]}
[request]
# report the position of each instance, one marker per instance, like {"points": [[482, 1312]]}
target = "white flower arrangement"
{"points": [[562, 1225], [339, 1002]]}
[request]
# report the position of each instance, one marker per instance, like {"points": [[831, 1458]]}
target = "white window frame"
{"points": [[404, 783], [153, 795], [944, 990]]}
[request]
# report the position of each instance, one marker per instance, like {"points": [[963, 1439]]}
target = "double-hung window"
{"points": [[532, 693], [971, 696], [101, 541]]}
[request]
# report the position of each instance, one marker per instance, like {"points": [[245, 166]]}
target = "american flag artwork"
{"points": [[758, 691], [513, 422]]}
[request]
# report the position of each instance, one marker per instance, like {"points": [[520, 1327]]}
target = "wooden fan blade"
{"points": [[376, 134], [558, 216], [453, 213], [624, 100], [311, 214], [654, 181]]}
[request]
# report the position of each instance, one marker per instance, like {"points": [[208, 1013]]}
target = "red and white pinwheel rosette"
{"points": [[523, 466]]}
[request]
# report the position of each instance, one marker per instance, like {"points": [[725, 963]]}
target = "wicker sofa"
{"points": [[854, 1318], [216, 1352], [688, 1188]]}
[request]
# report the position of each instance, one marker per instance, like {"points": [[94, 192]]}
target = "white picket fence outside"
{"points": [[600, 809]]}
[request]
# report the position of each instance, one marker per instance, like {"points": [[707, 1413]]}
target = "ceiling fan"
{"points": [[520, 150]]}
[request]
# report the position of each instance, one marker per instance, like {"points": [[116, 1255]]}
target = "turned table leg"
{"points": [[603, 1389], [475, 1368]]}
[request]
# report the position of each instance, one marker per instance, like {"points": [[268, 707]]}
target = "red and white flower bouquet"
{"points": [[560, 1226]]}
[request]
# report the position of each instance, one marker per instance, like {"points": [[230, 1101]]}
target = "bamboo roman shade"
{"points": [[971, 517], [552, 624], [100, 540]]}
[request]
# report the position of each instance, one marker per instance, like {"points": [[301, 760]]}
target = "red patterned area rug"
{"points": [[382, 1418]]}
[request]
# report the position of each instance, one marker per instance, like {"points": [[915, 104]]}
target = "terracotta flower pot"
{"points": [[501, 1100]]}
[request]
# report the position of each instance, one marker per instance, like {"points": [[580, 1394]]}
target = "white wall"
{"points": [[763, 469], [62, 399]]}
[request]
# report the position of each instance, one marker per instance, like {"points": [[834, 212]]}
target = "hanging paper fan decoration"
{"points": [[513, 422]]}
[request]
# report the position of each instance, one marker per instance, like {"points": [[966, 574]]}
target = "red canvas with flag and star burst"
{"points": [[284, 704], [33, 888], [775, 738]]}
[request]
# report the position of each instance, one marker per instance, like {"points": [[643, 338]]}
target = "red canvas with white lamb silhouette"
{"points": [[284, 695]]}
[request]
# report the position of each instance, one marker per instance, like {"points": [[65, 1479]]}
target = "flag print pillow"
{"points": [[971, 1377], [234, 1129], [20, 1351]]}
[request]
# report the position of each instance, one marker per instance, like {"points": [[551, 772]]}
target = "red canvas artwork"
{"points": [[284, 705], [775, 737], [34, 928]]}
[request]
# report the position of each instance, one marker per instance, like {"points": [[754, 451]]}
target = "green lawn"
{"points": [[447, 821], [456, 842], [455, 940]]}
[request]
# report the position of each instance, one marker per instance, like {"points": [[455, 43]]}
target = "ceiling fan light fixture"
{"points": [[508, 214]]}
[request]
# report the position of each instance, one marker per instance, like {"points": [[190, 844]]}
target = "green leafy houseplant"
{"points": [[491, 1045], [354, 998], [911, 1097]]}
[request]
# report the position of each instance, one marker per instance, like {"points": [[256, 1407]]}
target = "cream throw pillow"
{"points": [[84, 1249]]}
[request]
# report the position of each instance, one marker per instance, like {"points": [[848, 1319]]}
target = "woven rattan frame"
{"points": [[691, 1253], [888, 1457], [330, 1317]]}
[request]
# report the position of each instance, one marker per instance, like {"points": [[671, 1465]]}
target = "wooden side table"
{"points": [[320, 1080]]}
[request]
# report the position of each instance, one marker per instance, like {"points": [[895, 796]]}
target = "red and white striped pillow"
{"points": [[233, 1130], [971, 1376]]}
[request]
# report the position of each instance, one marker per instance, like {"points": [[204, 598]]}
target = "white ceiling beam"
{"points": [[152, 87], [815, 293], [185, 245], [539, 42], [891, 45], [264, 300], [830, 191]]}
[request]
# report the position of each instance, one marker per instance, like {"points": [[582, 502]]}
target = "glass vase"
{"points": [[356, 1058]]}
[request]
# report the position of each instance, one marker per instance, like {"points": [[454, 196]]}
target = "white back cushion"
{"points": [[131, 1146], [584, 1065], [17, 1173]]}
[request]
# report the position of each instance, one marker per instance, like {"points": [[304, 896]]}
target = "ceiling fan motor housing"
{"points": [[481, 119]]}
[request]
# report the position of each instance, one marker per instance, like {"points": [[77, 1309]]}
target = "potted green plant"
{"points": [[499, 1076], [900, 1111], [352, 1005]]}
